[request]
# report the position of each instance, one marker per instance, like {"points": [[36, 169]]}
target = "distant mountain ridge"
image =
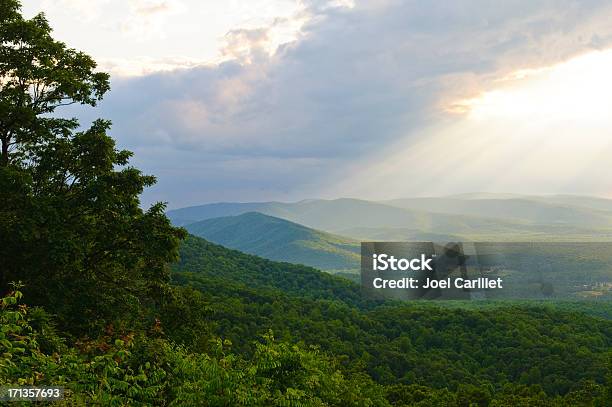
{"points": [[592, 202], [192, 214], [480, 216], [331, 215], [280, 240], [513, 209]]}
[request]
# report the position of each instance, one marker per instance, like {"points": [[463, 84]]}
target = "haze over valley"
{"points": [[474, 217]]}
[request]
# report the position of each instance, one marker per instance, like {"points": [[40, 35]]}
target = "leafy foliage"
{"points": [[146, 369], [70, 223], [142, 371], [39, 74]]}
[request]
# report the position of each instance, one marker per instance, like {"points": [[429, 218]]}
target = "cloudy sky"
{"points": [[286, 100]]}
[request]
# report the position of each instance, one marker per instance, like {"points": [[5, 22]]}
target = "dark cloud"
{"points": [[267, 127]]}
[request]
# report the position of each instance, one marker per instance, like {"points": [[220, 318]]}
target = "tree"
{"points": [[71, 226], [38, 75]]}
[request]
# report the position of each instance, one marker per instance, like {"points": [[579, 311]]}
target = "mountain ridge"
{"points": [[487, 218], [279, 239]]}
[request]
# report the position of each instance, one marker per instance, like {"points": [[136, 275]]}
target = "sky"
{"points": [[286, 100]]}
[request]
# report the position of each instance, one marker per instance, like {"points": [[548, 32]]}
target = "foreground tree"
{"points": [[71, 226], [38, 75]]}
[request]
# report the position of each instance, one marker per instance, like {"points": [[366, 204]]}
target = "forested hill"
{"points": [[215, 262], [279, 239], [426, 353]]}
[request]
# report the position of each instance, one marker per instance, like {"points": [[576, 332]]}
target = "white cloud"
{"points": [[149, 18], [136, 37], [83, 9], [357, 81]]}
